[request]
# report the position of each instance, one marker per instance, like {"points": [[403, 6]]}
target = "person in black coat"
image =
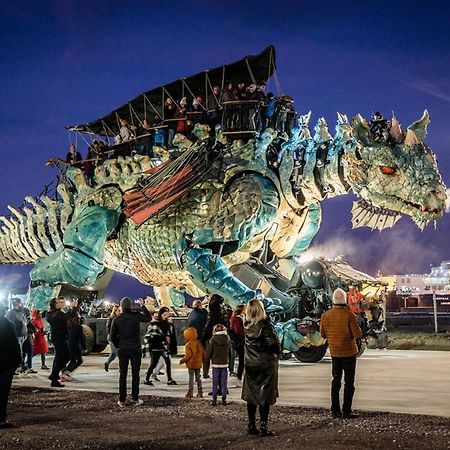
{"points": [[197, 317], [126, 336], [9, 360], [262, 349], [75, 343], [57, 320]]}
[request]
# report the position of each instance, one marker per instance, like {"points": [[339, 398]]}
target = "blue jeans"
{"points": [[219, 378], [113, 355]]}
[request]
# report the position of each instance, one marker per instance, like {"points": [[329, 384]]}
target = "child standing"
{"points": [[193, 358], [218, 351]]}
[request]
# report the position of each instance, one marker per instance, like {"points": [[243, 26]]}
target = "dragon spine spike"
{"points": [[396, 131], [411, 138], [419, 127]]}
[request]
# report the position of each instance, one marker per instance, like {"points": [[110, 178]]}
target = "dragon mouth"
{"points": [[424, 210]]}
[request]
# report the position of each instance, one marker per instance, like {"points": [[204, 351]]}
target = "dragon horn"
{"points": [[396, 130], [411, 138]]}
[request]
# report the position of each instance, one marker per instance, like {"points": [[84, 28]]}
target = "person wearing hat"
{"points": [[340, 327]]}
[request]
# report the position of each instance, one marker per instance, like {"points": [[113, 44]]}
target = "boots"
{"points": [[189, 394], [252, 429], [200, 394], [264, 431]]}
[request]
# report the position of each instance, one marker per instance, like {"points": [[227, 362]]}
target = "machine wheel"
{"points": [[285, 356], [89, 338], [311, 354]]}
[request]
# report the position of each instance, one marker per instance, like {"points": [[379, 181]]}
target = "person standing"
{"points": [[197, 317], [126, 337], [193, 358], [218, 351], [237, 336], [75, 344], [10, 357], [340, 327], [113, 354], [57, 320], [262, 350], [27, 347], [17, 317], [158, 339], [40, 346]]}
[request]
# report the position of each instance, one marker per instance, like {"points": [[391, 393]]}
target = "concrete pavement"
{"points": [[411, 381]]}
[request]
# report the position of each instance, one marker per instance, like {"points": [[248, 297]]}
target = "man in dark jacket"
{"points": [[197, 317], [126, 336], [57, 320], [9, 360], [17, 317], [340, 327]]}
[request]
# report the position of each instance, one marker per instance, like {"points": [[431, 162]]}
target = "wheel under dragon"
{"points": [[186, 223]]}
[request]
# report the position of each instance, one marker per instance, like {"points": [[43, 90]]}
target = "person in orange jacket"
{"points": [[340, 327], [193, 358]]}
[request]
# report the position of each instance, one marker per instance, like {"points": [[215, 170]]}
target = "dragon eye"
{"points": [[386, 170]]}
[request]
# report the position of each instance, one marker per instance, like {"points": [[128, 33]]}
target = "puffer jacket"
{"points": [[126, 329], [262, 349], [193, 350], [218, 349], [340, 327]]}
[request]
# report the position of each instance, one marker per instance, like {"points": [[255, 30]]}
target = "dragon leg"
{"points": [[211, 274], [79, 260]]}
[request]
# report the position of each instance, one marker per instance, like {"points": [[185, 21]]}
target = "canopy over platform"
{"points": [[251, 69]]}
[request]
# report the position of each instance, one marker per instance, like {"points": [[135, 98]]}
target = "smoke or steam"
{"points": [[397, 251]]}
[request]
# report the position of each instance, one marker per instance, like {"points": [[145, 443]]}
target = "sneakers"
{"points": [[172, 383], [189, 394], [232, 374], [148, 383], [199, 394], [154, 377], [106, 366], [121, 404], [252, 429], [224, 402], [31, 371], [24, 374], [214, 402], [44, 367], [57, 384], [349, 416], [264, 431], [336, 414], [138, 402], [206, 376]]}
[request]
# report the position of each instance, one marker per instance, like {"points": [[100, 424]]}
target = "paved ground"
{"points": [[410, 381]]}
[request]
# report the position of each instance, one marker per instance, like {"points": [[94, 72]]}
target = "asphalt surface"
{"points": [[401, 381]]}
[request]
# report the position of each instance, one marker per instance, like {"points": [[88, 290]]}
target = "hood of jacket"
{"points": [[220, 338], [190, 334]]}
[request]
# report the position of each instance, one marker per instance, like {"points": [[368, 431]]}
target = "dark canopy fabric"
{"points": [[251, 69]]}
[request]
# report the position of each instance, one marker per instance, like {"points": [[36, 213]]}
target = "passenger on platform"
{"points": [[183, 126], [169, 120], [160, 133], [198, 112], [285, 114], [126, 132], [379, 127], [340, 327], [241, 91], [74, 157], [270, 111], [229, 93], [215, 107], [93, 159], [251, 92]]}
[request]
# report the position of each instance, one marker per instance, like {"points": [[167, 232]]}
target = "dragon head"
{"points": [[394, 175]]}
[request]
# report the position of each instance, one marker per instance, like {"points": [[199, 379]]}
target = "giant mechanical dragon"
{"points": [[247, 196]]}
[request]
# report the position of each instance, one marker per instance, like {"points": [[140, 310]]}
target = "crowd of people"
{"points": [[249, 109], [215, 337]]}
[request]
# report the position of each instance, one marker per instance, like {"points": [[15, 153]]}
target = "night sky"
{"points": [[66, 62]]}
